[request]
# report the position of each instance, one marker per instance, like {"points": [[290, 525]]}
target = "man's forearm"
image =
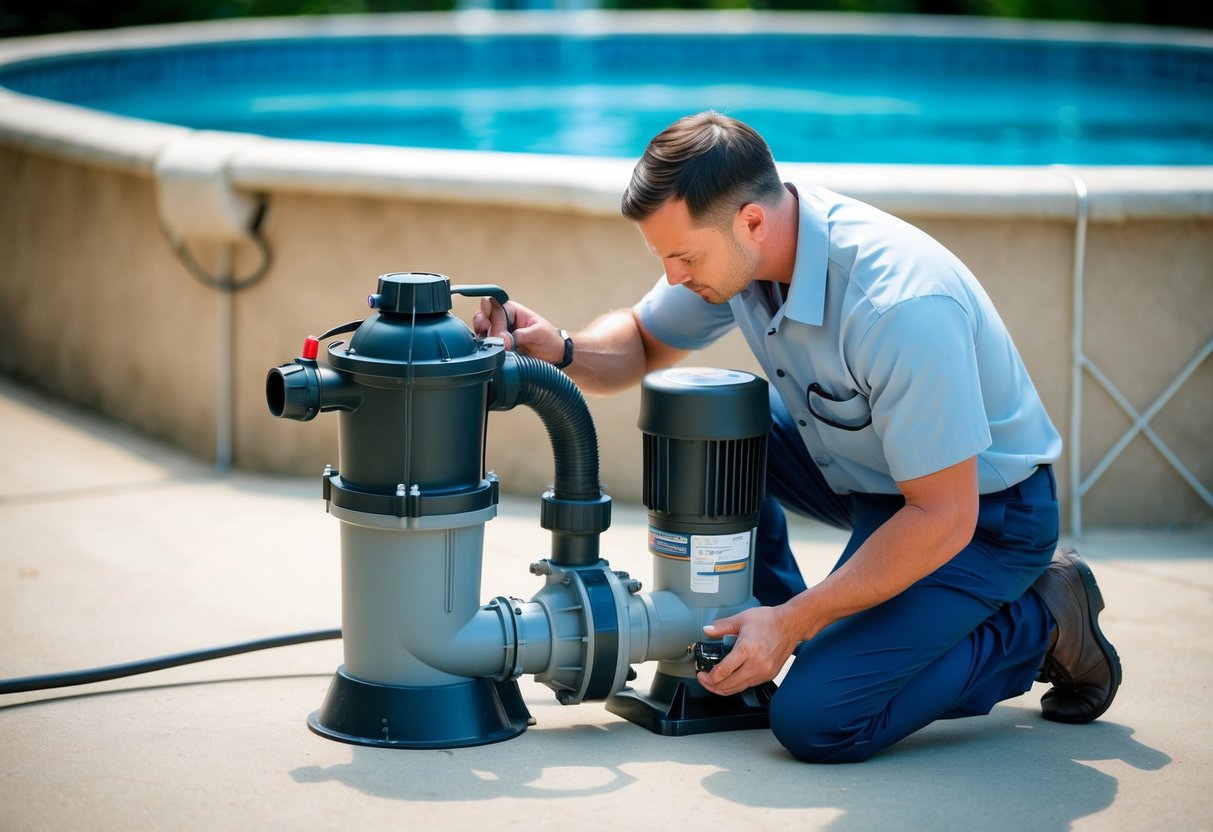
{"points": [[611, 355], [902, 551], [921, 537]]}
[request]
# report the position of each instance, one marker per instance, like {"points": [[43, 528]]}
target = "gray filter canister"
{"points": [[705, 449]]}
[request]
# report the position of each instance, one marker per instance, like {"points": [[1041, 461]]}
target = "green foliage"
{"points": [[33, 17], [28, 17], [1150, 12]]}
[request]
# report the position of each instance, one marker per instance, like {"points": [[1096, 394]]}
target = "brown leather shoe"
{"points": [[1081, 664]]}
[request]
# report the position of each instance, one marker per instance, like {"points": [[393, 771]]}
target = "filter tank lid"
{"points": [[422, 293], [414, 335], [704, 403]]}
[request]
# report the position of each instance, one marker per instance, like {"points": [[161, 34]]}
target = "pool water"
{"points": [[833, 99]]}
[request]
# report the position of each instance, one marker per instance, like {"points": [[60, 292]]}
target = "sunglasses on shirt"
{"points": [[818, 390]]}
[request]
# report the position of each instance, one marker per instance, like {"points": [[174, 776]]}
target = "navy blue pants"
{"points": [[953, 644]]}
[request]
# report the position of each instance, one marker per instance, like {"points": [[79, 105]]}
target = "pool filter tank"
{"points": [[427, 662]]}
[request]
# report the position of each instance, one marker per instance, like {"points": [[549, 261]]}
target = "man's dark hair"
{"points": [[713, 162]]}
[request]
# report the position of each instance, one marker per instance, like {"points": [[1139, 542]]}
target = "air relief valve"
{"points": [[427, 663]]}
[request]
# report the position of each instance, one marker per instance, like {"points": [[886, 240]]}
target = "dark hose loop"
{"points": [[118, 671], [562, 409]]}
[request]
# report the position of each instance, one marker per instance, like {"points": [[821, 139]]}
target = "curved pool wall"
{"points": [[832, 97], [95, 306]]}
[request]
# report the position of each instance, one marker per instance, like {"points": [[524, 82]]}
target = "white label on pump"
{"points": [[713, 555]]}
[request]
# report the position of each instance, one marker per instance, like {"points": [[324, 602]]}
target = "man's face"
{"points": [[710, 261]]}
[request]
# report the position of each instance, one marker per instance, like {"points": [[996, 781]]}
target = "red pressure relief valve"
{"points": [[311, 347]]}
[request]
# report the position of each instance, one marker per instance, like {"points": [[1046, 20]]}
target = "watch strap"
{"points": [[568, 351]]}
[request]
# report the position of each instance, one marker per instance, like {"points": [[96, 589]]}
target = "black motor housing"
{"points": [[705, 450], [705, 441]]}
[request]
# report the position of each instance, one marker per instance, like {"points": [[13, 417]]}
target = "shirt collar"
{"points": [[806, 298]]}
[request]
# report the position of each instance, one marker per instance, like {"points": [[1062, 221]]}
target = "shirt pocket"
{"points": [[845, 427], [852, 413]]}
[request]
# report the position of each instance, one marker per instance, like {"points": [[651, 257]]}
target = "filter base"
{"points": [[676, 707], [476, 712]]}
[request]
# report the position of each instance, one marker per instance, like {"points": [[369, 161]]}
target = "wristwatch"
{"points": [[568, 351]]}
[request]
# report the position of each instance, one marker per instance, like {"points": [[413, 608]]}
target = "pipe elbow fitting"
{"points": [[304, 388], [503, 640]]}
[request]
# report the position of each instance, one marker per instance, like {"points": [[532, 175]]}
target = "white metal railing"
{"points": [[1079, 485]]}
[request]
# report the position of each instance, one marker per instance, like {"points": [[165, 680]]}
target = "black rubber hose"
{"points": [[562, 409], [117, 671]]}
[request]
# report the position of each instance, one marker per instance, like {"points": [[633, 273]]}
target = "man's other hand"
{"points": [[764, 643]]}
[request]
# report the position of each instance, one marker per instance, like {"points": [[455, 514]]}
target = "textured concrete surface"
{"points": [[116, 548]]}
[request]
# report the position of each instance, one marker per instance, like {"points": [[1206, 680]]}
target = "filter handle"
{"points": [[487, 290]]}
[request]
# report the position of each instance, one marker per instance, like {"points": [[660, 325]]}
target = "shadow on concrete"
{"points": [[1005, 770]]}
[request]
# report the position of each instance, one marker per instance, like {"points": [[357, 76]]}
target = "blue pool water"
{"points": [[815, 98]]}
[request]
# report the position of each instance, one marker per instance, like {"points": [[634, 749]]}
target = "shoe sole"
{"points": [[1095, 605]]}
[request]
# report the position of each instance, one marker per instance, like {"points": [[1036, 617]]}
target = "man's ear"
{"points": [[751, 222]]}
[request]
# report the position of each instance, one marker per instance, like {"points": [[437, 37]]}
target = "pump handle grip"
{"points": [[487, 290]]}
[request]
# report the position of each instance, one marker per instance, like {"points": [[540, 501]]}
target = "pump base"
{"points": [[677, 707], [475, 712]]}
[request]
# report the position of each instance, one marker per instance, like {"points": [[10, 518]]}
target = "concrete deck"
{"points": [[116, 548]]}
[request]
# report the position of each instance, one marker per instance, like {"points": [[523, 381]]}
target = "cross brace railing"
{"points": [[1080, 485]]}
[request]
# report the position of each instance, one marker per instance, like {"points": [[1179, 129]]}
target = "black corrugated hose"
{"points": [[559, 404]]}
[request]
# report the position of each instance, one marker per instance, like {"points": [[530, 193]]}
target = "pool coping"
{"points": [[587, 185]]}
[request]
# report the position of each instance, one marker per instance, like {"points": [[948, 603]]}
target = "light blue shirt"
{"points": [[887, 352]]}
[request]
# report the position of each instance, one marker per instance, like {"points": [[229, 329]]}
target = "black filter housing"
{"points": [[424, 380], [705, 447]]}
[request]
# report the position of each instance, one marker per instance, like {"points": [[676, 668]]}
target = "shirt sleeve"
{"points": [[677, 316], [919, 360]]}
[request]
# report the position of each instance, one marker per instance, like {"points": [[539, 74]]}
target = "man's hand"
{"points": [[612, 353], [533, 335], [765, 640]]}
